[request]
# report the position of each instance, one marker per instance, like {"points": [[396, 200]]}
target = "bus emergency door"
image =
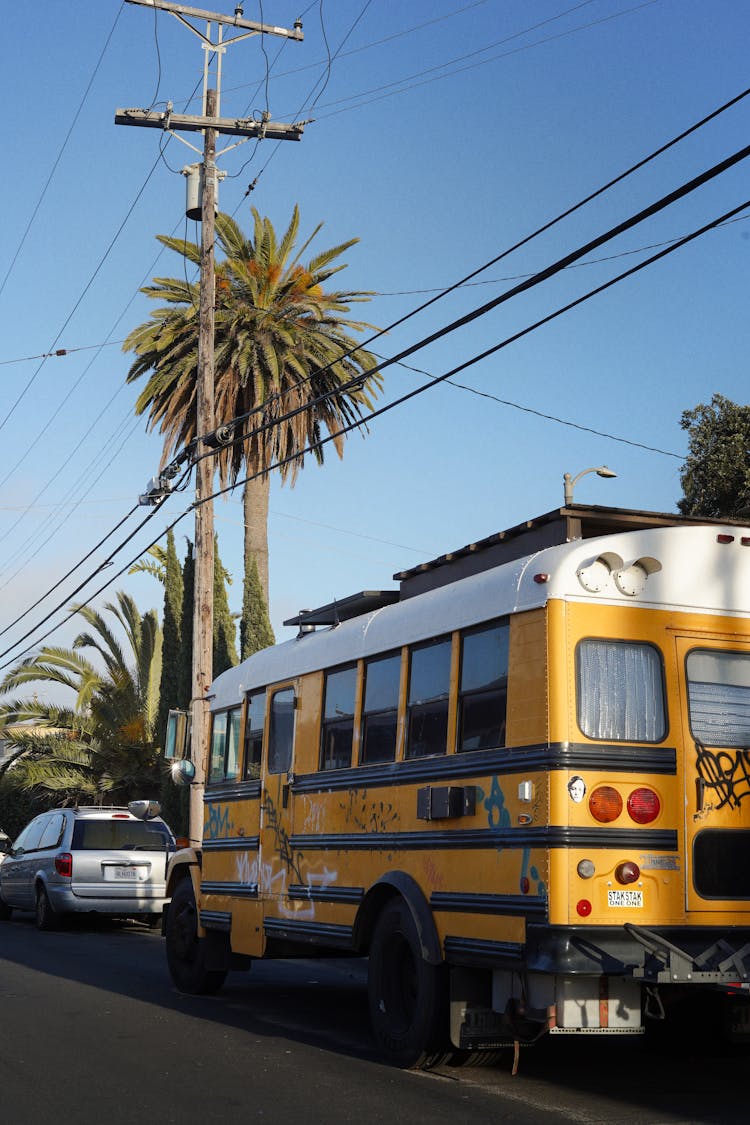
{"points": [[277, 866], [714, 678]]}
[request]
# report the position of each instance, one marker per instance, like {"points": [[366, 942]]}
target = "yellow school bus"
{"points": [[519, 783]]}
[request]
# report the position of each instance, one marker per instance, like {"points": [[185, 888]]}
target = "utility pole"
{"points": [[211, 125]]}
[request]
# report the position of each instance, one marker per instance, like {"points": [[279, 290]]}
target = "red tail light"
{"points": [[64, 864], [605, 804], [583, 907], [643, 806]]}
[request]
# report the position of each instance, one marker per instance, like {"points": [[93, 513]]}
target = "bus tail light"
{"points": [[643, 806], [627, 872], [64, 864], [605, 804]]}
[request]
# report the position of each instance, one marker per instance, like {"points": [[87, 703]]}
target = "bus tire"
{"points": [[407, 995], [185, 950]]}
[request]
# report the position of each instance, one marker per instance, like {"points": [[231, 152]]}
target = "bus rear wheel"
{"points": [[407, 995], [185, 950]]}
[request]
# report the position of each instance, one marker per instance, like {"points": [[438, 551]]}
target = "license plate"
{"points": [[125, 874], [625, 898]]}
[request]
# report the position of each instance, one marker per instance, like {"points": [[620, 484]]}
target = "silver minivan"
{"points": [[88, 859]]}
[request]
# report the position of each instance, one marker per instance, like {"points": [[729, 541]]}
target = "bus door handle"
{"points": [[700, 788], [285, 796]]}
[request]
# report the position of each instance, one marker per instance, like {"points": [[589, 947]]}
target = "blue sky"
{"points": [[444, 132]]}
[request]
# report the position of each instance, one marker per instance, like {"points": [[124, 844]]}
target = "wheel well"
{"points": [[187, 866], [398, 884]]}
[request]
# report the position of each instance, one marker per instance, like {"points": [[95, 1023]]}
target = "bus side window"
{"points": [[380, 710], [483, 689], [281, 731], [337, 732], [429, 690], [218, 746], [225, 736], [256, 716], [232, 759]]}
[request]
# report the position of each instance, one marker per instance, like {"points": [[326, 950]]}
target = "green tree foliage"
{"points": [[224, 643], [186, 649], [156, 566], [282, 343], [255, 625], [715, 478], [102, 742], [169, 687]]}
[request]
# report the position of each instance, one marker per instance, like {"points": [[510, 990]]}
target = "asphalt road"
{"points": [[93, 1033]]}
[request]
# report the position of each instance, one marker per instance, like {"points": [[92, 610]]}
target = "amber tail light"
{"points": [[605, 804]]}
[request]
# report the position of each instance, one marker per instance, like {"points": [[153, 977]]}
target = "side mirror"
{"points": [[144, 810], [5, 845]]}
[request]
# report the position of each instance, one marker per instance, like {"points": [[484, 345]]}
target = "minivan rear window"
{"points": [[120, 835]]}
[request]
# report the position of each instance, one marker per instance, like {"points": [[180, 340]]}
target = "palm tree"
{"points": [[102, 741], [281, 343]]}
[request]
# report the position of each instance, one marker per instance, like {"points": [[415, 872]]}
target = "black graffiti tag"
{"points": [[726, 773], [283, 844]]}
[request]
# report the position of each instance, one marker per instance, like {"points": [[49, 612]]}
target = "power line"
{"points": [[523, 286], [543, 275], [379, 93], [72, 570], [548, 417], [420, 27], [434, 381], [64, 352], [68, 319], [107, 562], [61, 150]]}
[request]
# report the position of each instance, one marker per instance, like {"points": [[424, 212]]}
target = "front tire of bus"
{"points": [[407, 995], [185, 950]]}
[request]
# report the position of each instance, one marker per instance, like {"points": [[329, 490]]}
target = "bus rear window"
{"points": [[718, 685], [620, 691]]}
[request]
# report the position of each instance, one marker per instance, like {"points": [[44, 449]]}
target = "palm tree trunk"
{"points": [[255, 504]]}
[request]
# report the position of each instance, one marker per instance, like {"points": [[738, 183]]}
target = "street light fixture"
{"points": [[570, 482]]}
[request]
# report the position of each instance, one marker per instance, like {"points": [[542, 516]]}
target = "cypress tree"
{"points": [[172, 800], [255, 625], [185, 679], [225, 646], [175, 799], [169, 685]]}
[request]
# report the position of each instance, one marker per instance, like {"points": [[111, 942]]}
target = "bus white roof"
{"points": [[680, 567]]}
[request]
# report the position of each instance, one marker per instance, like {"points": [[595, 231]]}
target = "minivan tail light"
{"points": [[64, 864]]}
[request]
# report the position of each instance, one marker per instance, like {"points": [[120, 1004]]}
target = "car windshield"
{"points": [[121, 835]]}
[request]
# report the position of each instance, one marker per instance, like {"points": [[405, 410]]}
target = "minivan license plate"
{"points": [[124, 874], [624, 898]]}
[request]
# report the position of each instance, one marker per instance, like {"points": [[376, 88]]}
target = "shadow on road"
{"points": [[323, 1004]]}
